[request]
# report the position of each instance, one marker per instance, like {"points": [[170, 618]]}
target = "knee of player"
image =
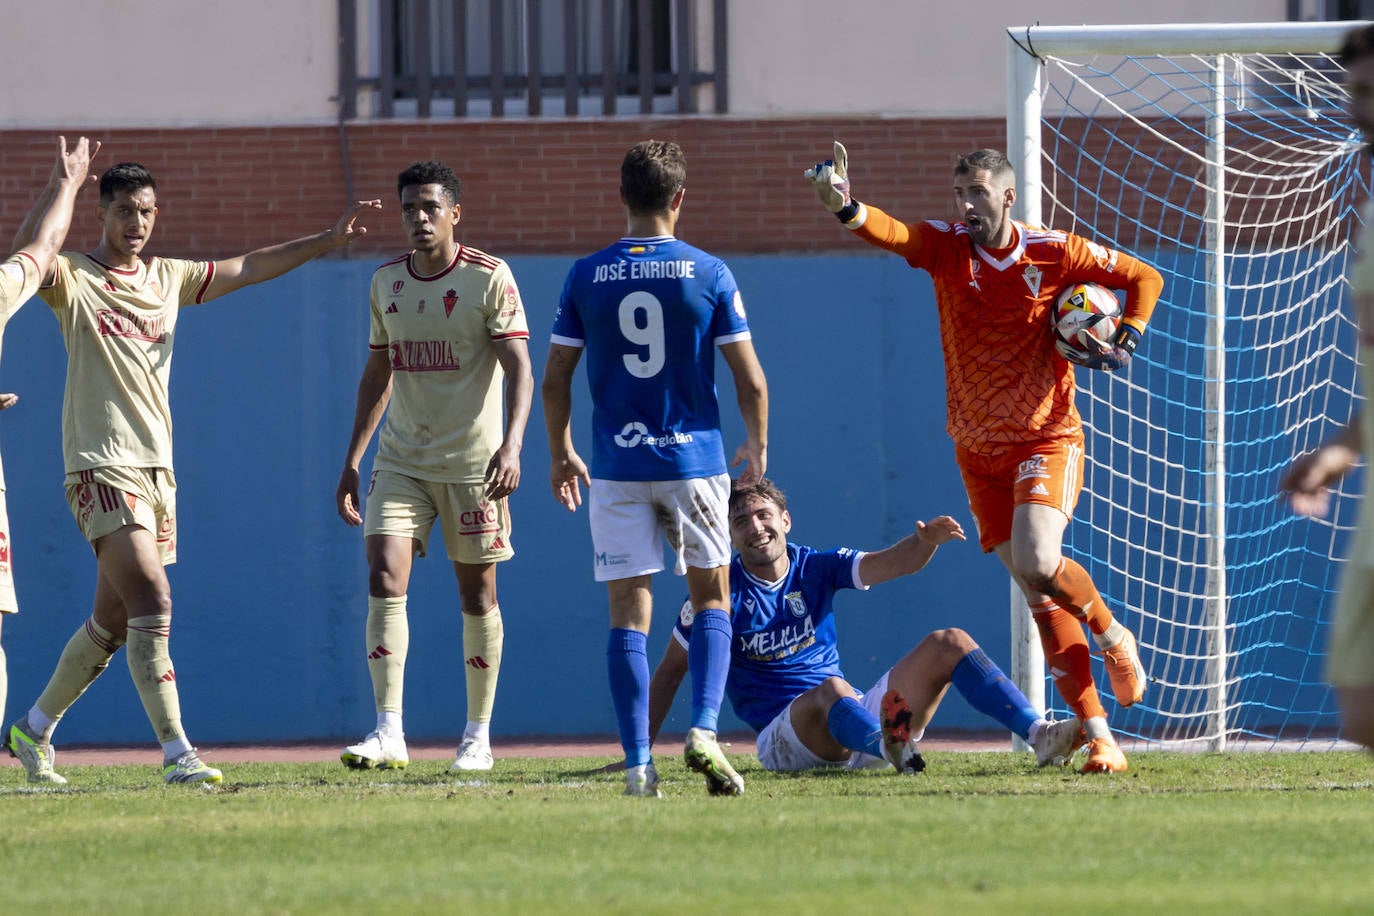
{"points": [[383, 583], [833, 689], [1040, 577], [951, 643]]}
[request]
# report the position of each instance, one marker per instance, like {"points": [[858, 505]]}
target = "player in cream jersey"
{"points": [[46, 226], [118, 315], [448, 346], [437, 332]]}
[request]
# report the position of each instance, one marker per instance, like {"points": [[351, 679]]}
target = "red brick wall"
{"points": [[529, 186]]}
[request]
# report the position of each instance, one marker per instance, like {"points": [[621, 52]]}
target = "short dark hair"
{"points": [[1358, 43], [431, 172], [764, 489], [124, 176], [651, 173], [986, 160]]}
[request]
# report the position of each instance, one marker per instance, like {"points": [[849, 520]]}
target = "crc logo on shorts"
{"points": [[481, 520], [635, 434], [85, 503], [1034, 467]]}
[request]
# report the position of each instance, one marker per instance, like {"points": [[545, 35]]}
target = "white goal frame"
{"points": [[1024, 111]]}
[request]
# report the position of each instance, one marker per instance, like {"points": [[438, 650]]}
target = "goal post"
{"points": [[1223, 155]]}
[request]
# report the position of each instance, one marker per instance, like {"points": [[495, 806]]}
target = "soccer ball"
{"points": [[1082, 310]]}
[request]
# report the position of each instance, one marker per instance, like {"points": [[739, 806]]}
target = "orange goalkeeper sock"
{"points": [[1074, 592], [1066, 652]]}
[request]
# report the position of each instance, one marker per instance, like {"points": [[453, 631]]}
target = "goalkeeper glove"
{"points": [[831, 180], [1119, 353]]}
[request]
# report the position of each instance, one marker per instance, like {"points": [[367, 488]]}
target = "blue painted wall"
{"points": [[270, 591]]}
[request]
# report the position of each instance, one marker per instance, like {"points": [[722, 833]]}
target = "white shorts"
{"points": [[631, 518], [781, 751], [9, 601]]}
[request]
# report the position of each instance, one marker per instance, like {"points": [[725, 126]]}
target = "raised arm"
{"points": [[751, 393], [566, 467], [374, 392], [911, 552], [274, 260], [503, 471], [830, 179], [44, 229]]}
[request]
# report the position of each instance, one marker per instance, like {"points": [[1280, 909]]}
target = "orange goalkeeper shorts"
{"points": [[1049, 473]]}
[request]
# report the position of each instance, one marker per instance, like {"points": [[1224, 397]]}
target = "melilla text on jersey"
{"points": [[773, 645], [645, 270]]}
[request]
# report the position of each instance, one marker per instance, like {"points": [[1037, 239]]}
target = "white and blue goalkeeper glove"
{"points": [[831, 181], [1118, 353]]}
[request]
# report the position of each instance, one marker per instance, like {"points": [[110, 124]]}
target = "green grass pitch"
{"points": [[976, 833]]}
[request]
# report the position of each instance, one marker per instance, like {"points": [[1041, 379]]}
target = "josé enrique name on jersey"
{"points": [[649, 314]]}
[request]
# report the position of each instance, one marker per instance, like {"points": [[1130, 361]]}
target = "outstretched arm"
{"points": [[274, 260], [751, 393], [503, 471], [44, 229], [911, 552], [1307, 482], [566, 467], [374, 392]]}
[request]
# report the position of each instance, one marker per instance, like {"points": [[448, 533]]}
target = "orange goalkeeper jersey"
{"points": [[1005, 384]]}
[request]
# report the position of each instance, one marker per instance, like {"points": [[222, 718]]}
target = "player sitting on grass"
{"points": [[785, 678]]}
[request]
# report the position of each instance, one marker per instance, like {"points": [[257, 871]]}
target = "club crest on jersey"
{"points": [[450, 300], [1032, 275], [796, 603], [421, 309], [975, 267], [397, 286]]}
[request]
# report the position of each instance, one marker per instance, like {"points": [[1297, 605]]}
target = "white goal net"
{"points": [[1222, 155]]}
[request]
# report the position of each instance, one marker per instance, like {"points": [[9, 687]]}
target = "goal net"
{"points": [[1222, 155]]}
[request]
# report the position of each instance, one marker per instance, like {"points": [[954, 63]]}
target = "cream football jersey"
{"points": [[119, 326], [19, 279], [445, 418]]}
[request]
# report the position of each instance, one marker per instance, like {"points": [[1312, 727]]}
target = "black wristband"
{"points": [[848, 211], [1127, 338]]}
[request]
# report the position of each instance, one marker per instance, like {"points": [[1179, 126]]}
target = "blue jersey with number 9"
{"points": [[649, 314]]}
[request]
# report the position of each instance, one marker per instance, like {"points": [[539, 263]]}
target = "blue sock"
{"points": [[855, 727], [992, 693], [708, 658], [627, 663]]}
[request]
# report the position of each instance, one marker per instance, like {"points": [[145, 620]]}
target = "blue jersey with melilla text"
{"points": [[649, 314], [784, 639]]}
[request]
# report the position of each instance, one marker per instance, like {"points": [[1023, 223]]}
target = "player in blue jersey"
{"points": [[785, 676], [649, 312]]}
